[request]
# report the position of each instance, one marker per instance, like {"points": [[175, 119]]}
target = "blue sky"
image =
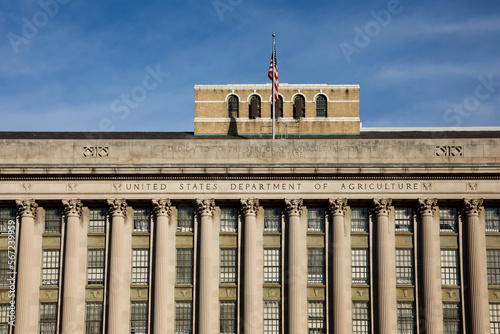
{"points": [[65, 65]]}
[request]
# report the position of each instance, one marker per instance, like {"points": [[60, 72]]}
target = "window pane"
{"points": [[321, 106], [93, 324], [452, 318], [232, 107], [183, 317], [449, 267], [448, 219], [5, 271], [185, 219], [404, 219], [360, 318], [495, 318], [272, 219], [359, 219], [360, 266], [404, 266], [492, 216], [95, 266], [493, 265], [229, 220], [7, 214], [316, 314], [50, 269], [4, 318], [316, 265], [316, 219], [139, 318], [53, 219], [142, 219], [48, 318], [272, 317], [140, 266], [406, 318], [184, 266], [228, 317], [97, 223], [272, 265], [228, 265]]}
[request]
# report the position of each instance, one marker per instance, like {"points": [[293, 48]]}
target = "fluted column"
{"points": [[432, 313], [386, 268], [73, 298], [208, 301], [164, 280], [28, 268], [252, 281], [476, 256], [297, 268], [341, 322], [120, 268]]}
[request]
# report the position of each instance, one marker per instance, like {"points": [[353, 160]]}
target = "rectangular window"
{"points": [[140, 266], [139, 318], [93, 323], [184, 266], [4, 318], [404, 266], [185, 219], [404, 219], [142, 219], [228, 265], [95, 266], [272, 317], [4, 268], [228, 317], [360, 318], [53, 219], [6, 214], [492, 216], [448, 219], [316, 265], [50, 269], [97, 220], [316, 317], [229, 220], [316, 219], [451, 318], [360, 266], [493, 266], [449, 267], [272, 219], [406, 318], [495, 318], [183, 317], [272, 265], [48, 318], [359, 219]]}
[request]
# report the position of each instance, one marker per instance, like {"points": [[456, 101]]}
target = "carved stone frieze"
{"points": [[162, 207], [117, 207], [472, 206], [427, 206], [338, 206], [381, 205], [205, 206], [72, 207], [27, 207], [293, 206], [249, 206]]}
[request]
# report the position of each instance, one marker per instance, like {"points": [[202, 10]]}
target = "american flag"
{"points": [[273, 74]]}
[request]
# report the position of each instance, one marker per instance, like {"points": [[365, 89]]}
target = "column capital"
{"points": [[72, 207], [205, 206], [338, 206], [427, 206], [162, 207], [472, 206], [382, 206], [117, 207], [249, 206], [27, 207], [293, 206]]}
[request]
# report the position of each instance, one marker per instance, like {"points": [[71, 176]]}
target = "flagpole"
{"points": [[274, 78]]}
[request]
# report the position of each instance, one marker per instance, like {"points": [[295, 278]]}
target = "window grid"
{"points": [[272, 219], [492, 216], [360, 318], [272, 317], [404, 219], [53, 219], [139, 317], [142, 219], [50, 269], [316, 219], [185, 219], [406, 318], [229, 220], [232, 106], [360, 266], [452, 318], [95, 266], [316, 315], [183, 316], [448, 219], [184, 266], [140, 266], [97, 220], [449, 267], [321, 106], [404, 266], [93, 323], [303, 114], [228, 265], [6, 214], [493, 266], [228, 317], [494, 318], [272, 265], [4, 318], [257, 99], [316, 265], [48, 318], [4, 268], [359, 219]]}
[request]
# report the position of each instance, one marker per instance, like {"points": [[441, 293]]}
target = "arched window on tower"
{"points": [[254, 106], [321, 106], [299, 107], [279, 103], [233, 106]]}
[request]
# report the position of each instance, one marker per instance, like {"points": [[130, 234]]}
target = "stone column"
{"points": [[432, 313], [340, 261], [164, 280], [386, 268], [476, 263], [252, 281], [73, 298], [28, 268], [208, 301], [119, 269], [297, 268]]}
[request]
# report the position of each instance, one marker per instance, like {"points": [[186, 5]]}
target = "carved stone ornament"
{"points": [[249, 206], [206, 206], [162, 207], [472, 206], [427, 206], [72, 207], [27, 207], [382, 205], [293, 206], [338, 206], [117, 207]]}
